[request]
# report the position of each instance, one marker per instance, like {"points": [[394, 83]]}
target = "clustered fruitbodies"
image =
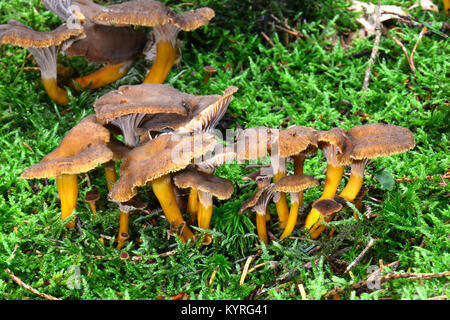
{"points": [[169, 138]]}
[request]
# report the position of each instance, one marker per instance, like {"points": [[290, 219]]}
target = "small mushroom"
{"points": [[336, 146], [91, 197], [153, 162], [125, 210], [166, 26], [208, 186], [372, 141], [209, 71], [81, 150], [258, 202], [44, 46], [297, 142], [327, 207], [294, 184]]}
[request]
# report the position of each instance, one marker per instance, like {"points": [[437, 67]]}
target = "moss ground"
{"points": [[310, 81]]}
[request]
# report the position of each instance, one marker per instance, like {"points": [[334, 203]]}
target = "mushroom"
{"points": [[153, 162], [114, 46], [336, 146], [166, 25], [372, 141], [91, 197], [209, 71], [221, 156], [297, 142], [258, 142], [125, 210], [81, 150], [327, 207], [207, 186], [128, 106], [294, 184], [44, 46], [258, 201]]}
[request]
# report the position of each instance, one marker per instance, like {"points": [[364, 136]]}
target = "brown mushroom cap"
{"points": [[151, 13], [327, 207], [253, 200], [193, 19], [379, 140], [148, 98], [163, 155], [133, 204], [340, 142], [18, 34], [118, 148], [295, 183], [92, 195], [217, 186], [297, 139], [254, 143], [81, 150]]}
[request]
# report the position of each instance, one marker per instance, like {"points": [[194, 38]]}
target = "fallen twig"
{"points": [[359, 257], [265, 36], [389, 277], [410, 58], [22, 284]]}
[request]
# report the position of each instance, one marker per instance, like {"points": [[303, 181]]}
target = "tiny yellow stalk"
{"points": [[67, 185], [56, 93], [164, 61], [162, 188], [106, 75]]}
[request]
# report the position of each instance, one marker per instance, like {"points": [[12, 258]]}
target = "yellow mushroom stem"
{"points": [[192, 205], [261, 226], [93, 207], [353, 185], [206, 208], [110, 173], [56, 93], [162, 188], [446, 6], [299, 160], [123, 229], [106, 75], [355, 182], [293, 214], [281, 203], [314, 219], [165, 58], [67, 185]]}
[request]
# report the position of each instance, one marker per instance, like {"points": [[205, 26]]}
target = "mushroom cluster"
{"points": [[164, 141], [105, 35], [340, 148]]}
